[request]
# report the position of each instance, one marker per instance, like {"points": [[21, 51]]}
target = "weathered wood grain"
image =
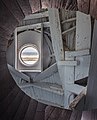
{"points": [[7, 19], [4, 33], [93, 8], [84, 6], [25, 6], [14, 8]]}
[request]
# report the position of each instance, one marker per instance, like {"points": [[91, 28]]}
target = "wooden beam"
{"points": [[37, 16], [56, 33], [77, 53], [19, 74], [74, 88], [69, 30], [68, 20], [75, 103], [47, 73]]}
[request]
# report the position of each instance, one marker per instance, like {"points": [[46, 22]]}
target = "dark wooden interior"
{"points": [[14, 104]]}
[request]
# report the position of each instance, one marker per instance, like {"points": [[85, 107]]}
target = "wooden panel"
{"points": [[37, 16], [4, 33], [91, 98], [14, 9], [35, 5], [82, 70], [83, 31], [83, 5], [56, 34], [25, 6], [47, 73], [93, 8], [22, 108], [23, 76], [7, 20], [11, 109]]}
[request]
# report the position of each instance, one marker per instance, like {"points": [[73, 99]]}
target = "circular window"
{"points": [[29, 55]]}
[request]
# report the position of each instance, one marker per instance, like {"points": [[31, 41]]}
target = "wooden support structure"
{"points": [[13, 71], [78, 102], [91, 97]]}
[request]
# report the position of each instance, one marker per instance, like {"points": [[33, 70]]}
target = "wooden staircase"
{"points": [[14, 103]]}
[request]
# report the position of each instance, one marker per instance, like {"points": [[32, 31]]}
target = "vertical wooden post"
{"points": [[66, 72]]}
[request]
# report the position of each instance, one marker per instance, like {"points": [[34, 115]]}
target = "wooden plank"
{"points": [[82, 70], [69, 20], [91, 97], [83, 31], [14, 9], [25, 6], [76, 115], [47, 86], [66, 73], [77, 53], [7, 20], [67, 63], [37, 16], [21, 75], [35, 5], [47, 73], [84, 6], [89, 115], [69, 30], [5, 33], [69, 38], [93, 8], [75, 103], [34, 26], [74, 88]]}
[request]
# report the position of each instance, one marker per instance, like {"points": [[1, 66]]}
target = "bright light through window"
{"points": [[29, 55]]}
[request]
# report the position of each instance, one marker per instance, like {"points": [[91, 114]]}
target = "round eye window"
{"points": [[29, 55]]}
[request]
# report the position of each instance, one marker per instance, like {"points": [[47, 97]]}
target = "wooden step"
{"points": [[57, 113], [30, 114], [12, 109], [40, 112], [8, 100], [20, 113]]}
